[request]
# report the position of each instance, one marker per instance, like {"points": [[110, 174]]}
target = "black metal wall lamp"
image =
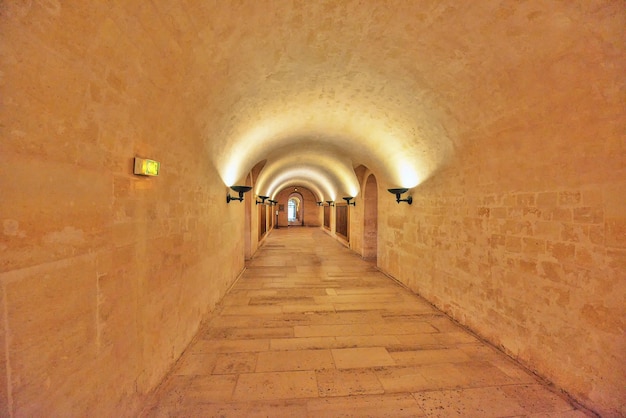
{"points": [[348, 199], [320, 203], [239, 189], [398, 192], [330, 203], [262, 202]]}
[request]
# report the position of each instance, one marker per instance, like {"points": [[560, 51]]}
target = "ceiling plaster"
{"points": [[318, 87]]}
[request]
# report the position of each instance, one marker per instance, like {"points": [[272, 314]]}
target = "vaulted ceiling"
{"points": [[318, 88]]}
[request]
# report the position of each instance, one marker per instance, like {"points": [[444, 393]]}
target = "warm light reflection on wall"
{"points": [[407, 175]]}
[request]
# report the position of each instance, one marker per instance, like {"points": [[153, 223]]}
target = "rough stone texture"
{"points": [[540, 271], [400, 358], [105, 276], [509, 116]]}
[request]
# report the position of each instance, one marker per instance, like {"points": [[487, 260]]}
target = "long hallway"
{"points": [[310, 329]]}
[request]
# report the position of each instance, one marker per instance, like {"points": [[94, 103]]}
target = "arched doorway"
{"points": [[247, 250], [295, 210], [370, 219]]}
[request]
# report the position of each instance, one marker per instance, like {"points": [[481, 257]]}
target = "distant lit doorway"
{"points": [[295, 210]]}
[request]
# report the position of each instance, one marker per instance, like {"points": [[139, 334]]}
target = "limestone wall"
{"points": [[104, 276], [522, 235]]}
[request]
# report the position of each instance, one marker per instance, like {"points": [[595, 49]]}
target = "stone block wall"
{"points": [[540, 274], [521, 235], [522, 238], [104, 276]]}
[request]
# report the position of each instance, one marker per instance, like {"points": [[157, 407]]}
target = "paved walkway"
{"points": [[312, 330]]}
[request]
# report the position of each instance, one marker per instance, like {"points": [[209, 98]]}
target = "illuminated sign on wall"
{"points": [[145, 167]]}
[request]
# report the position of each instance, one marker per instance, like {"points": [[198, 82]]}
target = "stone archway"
{"points": [[370, 219]]}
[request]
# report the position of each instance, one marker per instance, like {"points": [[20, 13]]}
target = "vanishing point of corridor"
{"points": [[310, 329]]}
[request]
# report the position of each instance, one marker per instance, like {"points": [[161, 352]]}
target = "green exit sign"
{"points": [[145, 167]]}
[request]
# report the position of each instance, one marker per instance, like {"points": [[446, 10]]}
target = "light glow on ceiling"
{"points": [[304, 135], [302, 175]]}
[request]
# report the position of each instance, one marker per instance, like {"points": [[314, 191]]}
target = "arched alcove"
{"points": [[370, 218], [247, 247]]}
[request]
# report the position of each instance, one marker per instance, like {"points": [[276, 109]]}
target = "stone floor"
{"points": [[312, 330]]}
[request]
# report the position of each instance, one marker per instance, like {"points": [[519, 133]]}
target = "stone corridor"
{"points": [[310, 329]]}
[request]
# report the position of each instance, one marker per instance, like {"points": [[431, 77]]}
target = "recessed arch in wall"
{"points": [[370, 218], [247, 246]]}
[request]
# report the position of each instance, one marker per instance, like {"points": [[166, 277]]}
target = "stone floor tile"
{"points": [[276, 385], [477, 402], [217, 388], [537, 398], [482, 373], [566, 414], [332, 330], [367, 341], [399, 328], [261, 293], [352, 358], [345, 318], [256, 321], [279, 361], [386, 290], [196, 364], [317, 270], [373, 406], [444, 376], [455, 338], [334, 382], [232, 363], [189, 390], [235, 301], [312, 330], [308, 308], [402, 379], [259, 409], [409, 342], [241, 333], [410, 358], [385, 308], [281, 300], [251, 310], [362, 306], [479, 351], [231, 346], [358, 298], [303, 343]]}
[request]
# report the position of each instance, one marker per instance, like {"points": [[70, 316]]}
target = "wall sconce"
{"points": [[320, 203], [348, 199], [398, 192], [330, 203], [239, 189], [262, 202], [273, 202]]}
